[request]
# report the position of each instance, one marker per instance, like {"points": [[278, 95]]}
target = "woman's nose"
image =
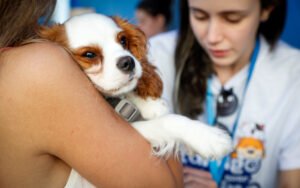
{"points": [[214, 32]]}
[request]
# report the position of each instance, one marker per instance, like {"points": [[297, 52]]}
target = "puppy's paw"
{"points": [[209, 142], [149, 108], [154, 108], [162, 143]]}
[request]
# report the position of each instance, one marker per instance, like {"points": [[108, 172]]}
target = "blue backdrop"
{"points": [[125, 9], [291, 33]]}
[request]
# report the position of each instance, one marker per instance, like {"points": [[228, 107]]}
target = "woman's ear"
{"points": [[265, 13], [160, 21]]}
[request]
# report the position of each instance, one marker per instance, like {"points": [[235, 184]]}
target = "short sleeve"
{"points": [[289, 157]]}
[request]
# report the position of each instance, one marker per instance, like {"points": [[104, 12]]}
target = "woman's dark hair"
{"points": [[19, 19], [157, 7], [193, 65]]}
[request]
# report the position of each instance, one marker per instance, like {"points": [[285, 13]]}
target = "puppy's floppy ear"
{"points": [[150, 84], [136, 38], [55, 33]]}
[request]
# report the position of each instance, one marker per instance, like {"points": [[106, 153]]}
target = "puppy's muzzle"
{"points": [[126, 64]]}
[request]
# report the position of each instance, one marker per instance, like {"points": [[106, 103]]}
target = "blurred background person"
{"points": [[153, 16]]}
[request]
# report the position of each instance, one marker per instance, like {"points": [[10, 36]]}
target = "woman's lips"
{"points": [[219, 53]]}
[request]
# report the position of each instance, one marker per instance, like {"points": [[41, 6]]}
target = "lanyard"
{"points": [[216, 170]]}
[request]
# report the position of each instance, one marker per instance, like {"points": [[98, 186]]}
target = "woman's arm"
{"points": [[289, 179], [67, 118]]}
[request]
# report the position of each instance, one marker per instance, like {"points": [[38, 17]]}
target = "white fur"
{"points": [[149, 108], [163, 130], [95, 29], [168, 131]]}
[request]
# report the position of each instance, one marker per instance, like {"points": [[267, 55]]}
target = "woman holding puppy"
{"points": [[232, 72], [55, 129]]}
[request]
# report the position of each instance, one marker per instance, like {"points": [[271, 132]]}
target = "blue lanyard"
{"points": [[216, 170]]}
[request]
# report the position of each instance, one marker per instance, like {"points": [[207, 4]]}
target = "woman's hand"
{"points": [[195, 178]]}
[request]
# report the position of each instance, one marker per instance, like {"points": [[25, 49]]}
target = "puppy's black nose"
{"points": [[126, 64]]}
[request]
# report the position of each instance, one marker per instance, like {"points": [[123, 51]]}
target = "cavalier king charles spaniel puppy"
{"points": [[113, 54]]}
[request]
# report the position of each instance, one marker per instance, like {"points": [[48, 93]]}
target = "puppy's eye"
{"points": [[123, 41], [89, 55]]}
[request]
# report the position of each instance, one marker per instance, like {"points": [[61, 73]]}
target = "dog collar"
{"points": [[125, 109]]}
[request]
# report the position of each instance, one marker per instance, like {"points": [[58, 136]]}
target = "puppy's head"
{"points": [[109, 50]]}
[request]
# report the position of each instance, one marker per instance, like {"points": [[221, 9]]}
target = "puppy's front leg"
{"points": [[167, 132], [150, 108]]}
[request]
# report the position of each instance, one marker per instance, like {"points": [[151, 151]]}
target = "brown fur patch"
{"points": [[85, 62], [150, 84], [57, 34]]}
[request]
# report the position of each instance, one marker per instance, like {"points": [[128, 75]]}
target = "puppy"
{"points": [[112, 53]]}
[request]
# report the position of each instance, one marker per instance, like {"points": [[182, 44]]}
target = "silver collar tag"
{"points": [[125, 108]]}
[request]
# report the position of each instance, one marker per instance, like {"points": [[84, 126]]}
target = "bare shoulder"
{"points": [[39, 67], [37, 49], [39, 57], [39, 81]]}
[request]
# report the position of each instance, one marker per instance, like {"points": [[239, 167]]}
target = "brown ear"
{"points": [[137, 39], [55, 33], [150, 84]]}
